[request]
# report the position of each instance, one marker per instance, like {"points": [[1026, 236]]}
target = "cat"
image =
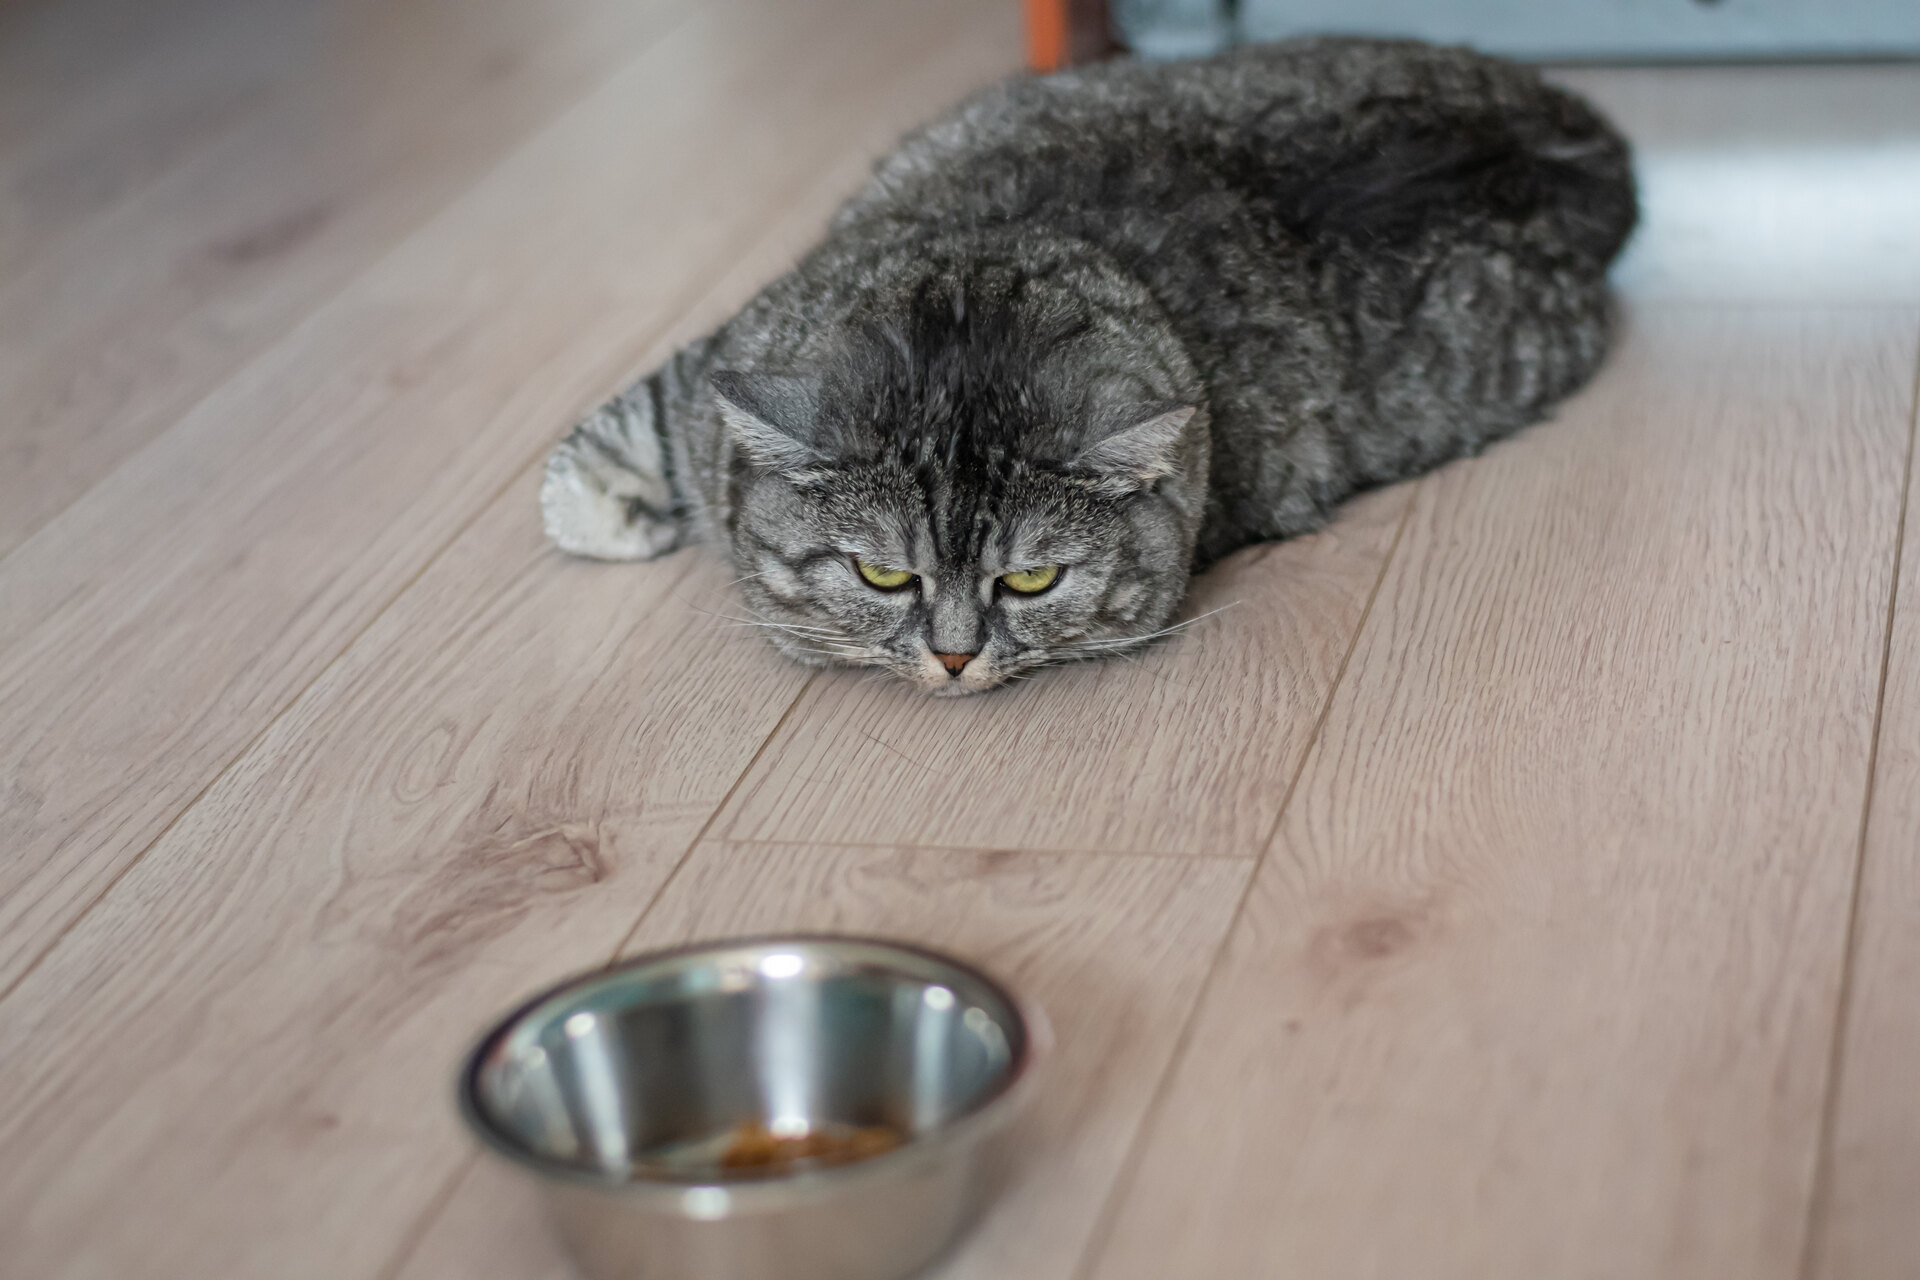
{"points": [[1087, 333]]}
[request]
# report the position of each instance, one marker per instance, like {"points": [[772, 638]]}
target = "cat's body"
{"points": [[1121, 320]]}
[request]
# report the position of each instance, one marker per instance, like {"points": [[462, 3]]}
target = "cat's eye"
{"points": [[881, 579], [1031, 582]]}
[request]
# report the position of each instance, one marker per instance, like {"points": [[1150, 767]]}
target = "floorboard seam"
{"points": [[386, 252], [417, 1233], [454, 535], [292, 700], [712, 818], [437, 1205], [1813, 1233], [1130, 1162], [531, 460], [1046, 851]]}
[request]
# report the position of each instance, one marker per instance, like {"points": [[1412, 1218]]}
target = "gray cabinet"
{"points": [[1691, 29]]}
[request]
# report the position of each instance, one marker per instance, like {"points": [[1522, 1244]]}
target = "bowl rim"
{"points": [[779, 1191]]}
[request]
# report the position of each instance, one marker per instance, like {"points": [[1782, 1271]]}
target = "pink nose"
{"points": [[954, 661]]}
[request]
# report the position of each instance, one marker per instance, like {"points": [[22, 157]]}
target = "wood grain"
{"points": [[1867, 1229], [98, 97], [1186, 749], [480, 797], [1113, 948], [116, 330], [1540, 975], [153, 630]]}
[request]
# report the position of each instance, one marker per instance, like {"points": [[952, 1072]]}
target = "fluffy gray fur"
{"points": [[1123, 320]]}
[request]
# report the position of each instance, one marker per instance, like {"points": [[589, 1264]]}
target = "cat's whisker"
{"points": [[1119, 644], [817, 632], [789, 627], [1180, 626]]}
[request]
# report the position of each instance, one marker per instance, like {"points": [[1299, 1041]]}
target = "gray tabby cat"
{"points": [[1086, 334]]}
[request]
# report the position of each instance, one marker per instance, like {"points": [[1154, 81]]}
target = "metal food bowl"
{"points": [[659, 1106]]}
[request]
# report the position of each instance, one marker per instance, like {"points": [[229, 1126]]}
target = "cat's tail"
{"points": [[610, 491], [1416, 141]]}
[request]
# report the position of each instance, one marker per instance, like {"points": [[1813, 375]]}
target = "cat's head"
{"points": [[983, 476]]}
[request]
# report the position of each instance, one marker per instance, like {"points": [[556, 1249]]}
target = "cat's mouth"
{"points": [[944, 677]]}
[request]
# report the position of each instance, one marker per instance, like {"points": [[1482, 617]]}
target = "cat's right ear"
{"points": [[770, 416], [1135, 456]]}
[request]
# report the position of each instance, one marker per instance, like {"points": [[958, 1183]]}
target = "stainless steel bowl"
{"points": [[619, 1090]]}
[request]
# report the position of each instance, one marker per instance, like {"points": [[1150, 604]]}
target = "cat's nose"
{"points": [[954, 661]]}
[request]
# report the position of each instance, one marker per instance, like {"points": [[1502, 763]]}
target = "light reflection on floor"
{"points": [[1839, 221], [1770, 182]]}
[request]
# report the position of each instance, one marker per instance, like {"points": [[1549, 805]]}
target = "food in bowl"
{"points": [[755, 1147]]}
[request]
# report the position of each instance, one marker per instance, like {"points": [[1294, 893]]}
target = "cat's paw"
{"points": [[606, 494]]}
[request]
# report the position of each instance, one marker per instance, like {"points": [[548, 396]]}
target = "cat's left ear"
{"points": [[1134, 457], [770, 416]]}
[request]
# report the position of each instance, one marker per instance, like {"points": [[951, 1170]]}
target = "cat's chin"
{"points": [[954, 688], [969, 682]]}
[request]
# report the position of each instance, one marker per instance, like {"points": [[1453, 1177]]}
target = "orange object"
{"points": [[1047, 28], [1065, 33]]}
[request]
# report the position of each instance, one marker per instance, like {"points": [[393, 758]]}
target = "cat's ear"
{"points": [[1134, 457], [770, 415]]}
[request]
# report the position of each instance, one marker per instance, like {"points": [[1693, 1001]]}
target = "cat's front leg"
{"points": [[609, 491]]}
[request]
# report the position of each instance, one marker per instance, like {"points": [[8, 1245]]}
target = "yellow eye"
{"points": [[884, 579], [1031, 582]]}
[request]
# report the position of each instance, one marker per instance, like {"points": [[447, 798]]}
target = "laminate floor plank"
{"points": [[1540, 974], [154, 630], [1866, 1229], [98, 97], [1113, 948], [113, 332]]}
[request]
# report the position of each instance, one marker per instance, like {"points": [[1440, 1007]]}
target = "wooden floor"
{"points": [[1522, 880]]}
